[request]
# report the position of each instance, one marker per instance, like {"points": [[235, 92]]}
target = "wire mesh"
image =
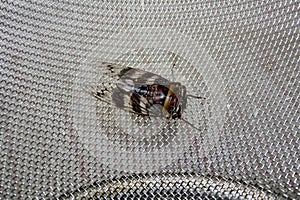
{"points": [[57, 141]]}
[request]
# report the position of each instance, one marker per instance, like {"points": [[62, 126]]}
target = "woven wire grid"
{"points": [[58, 141]]}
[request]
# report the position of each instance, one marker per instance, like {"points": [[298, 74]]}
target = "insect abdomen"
{"points": [[162, 95], [155, 94]]}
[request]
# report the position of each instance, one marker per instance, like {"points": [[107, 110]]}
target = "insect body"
{"points": [[143, 93], [165, 97]]}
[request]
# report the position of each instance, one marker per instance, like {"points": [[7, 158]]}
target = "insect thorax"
{"points": [[176, 101]]}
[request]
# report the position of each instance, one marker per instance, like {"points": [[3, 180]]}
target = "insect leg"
{"points": [[190, 124]]}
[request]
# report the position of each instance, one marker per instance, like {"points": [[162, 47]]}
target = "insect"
{"points": [[143, 93]]}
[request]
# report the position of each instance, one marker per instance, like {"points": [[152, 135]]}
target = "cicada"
{"points": [[143, 93]]}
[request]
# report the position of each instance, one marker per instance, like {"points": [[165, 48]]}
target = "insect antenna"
{"points": [[190, 124], [197, 97], [172, 71], [174, 60]]}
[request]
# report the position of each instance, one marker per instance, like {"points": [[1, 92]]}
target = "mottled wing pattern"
{"points": [[141, 77], [103, 91], [130, 102], [121, 93]]}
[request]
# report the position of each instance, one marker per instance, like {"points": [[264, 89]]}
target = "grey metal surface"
{"points": [[57, 141]]}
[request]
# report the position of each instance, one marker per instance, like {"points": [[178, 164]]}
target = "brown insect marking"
{"points": [[123, 71]]}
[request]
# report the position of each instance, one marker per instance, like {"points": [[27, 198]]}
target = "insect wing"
{"points": [[104, 90], [120, 91], [141, 77], [138, 76], [124, 95]]}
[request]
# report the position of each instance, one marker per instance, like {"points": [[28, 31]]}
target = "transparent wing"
{"points": [[138, 76], [135, 103], [141, 77], [120, 92]]}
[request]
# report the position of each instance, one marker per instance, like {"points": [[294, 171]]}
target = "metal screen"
{"points": [[57, 141]]}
